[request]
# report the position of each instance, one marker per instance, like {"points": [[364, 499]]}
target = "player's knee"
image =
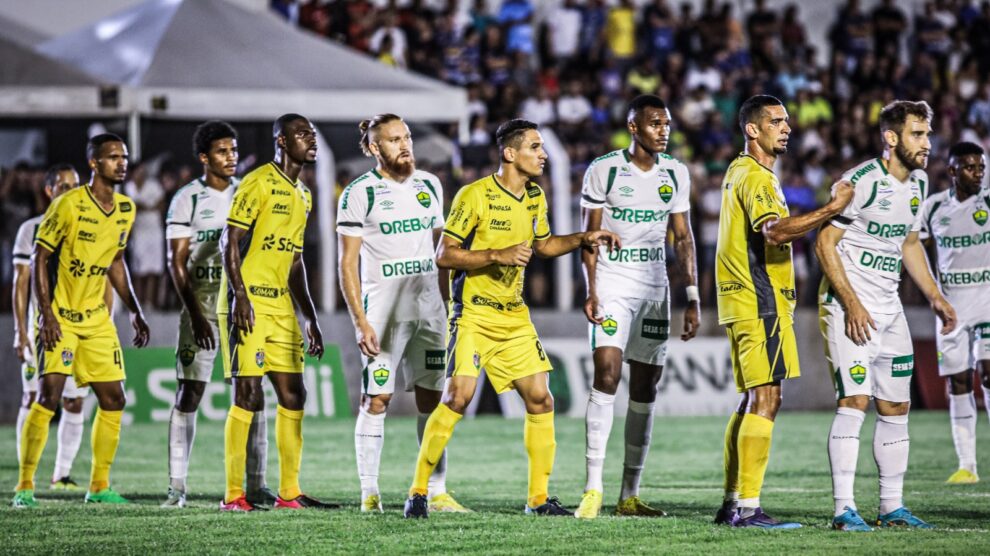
{"points": [[457, 401], [294, 400], [984, 367], [27, 399], [47, 400], [539, 402], [893, 408], [861, 403], [188, 396], [72, 405], [961, 383], [607, 381], [376, 405], [113, 401], [248, 395]]}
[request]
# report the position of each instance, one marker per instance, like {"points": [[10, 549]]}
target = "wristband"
{"points": [[692, 294]]}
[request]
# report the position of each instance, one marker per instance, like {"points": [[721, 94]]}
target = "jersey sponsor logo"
{"points": [[259, 358], [424, 199], [886, 230], [857, 373], [532, 192], [500, 225], [121, 221], [915, 203], [271, 242], [436, 359], [70, 315], [730, 288], [655, 329], [266, 291], [789, 294], [98, 309], [902, 366], [399, 268], [533, 206], [126, 206], [77, 268], [610, 326], [862, 172], [497, 208], [281, 192], [186, 355], [209, 273], [208, 235], [89, 237], [67, 357], [637, 216], [122, 240], [88, 220], [883, 263], [408, 225], [972, 277], [97, 270], [666, 192], [956, 242], [485, 302], [636, 255], [279, 208], [982, 330], [980, 217]]}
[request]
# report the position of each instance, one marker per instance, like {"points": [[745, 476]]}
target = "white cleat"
{"points": [[176, 499]]}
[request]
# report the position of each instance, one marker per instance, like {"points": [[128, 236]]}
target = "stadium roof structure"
{"points": [[214, 59]]}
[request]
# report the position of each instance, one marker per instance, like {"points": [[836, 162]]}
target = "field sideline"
{"points": [[488, 473]]}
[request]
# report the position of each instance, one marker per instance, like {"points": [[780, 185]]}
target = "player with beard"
{"points": [[389, 220], [79, 245], [867, 341], [263, 281], [756, 300]]}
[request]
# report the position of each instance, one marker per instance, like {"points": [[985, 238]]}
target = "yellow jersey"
{"points": [[754, 279], [273, 210], [484, 215], [84, 239]]}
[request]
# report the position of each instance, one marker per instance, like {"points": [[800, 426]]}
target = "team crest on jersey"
{"points": [[67, 357], [666, 192], [380, 376], [858, 373], [424, 199], [980, 217], [609, 326], [915, 202], [477, 360], [259, 358], [186, 355]]}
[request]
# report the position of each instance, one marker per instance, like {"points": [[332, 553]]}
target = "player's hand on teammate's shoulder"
{"points": [[842, 194], [203, 332], [858, 324], [692, 320], [601, 237], [368, 340], [591, 310], [141, 331], [315, 337], [946, 313], [517, 255]]}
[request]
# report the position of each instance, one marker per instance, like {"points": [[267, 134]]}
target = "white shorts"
{"points": [[29, 378], [968, 343], [639, 327], [415, 346], [881, 369], [191, 361]]}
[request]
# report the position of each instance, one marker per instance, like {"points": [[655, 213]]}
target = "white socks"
{"points": [[891, 444], [22, 414], [181, 434], [257, 452], [843, 453], [70, 433], [639, 429], [962, 415], [369, 437], [438, 480], [598, 426]]}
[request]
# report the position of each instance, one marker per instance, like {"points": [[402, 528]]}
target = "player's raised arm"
{"points": [[785, 230], [120, 279], [916, 264]]}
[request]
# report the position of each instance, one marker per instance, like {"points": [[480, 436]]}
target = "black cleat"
{"points": [[417, 506], [550, 507], [262, 497], [303, 502], [726, 513]]}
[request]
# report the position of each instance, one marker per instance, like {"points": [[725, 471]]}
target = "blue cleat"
{"points": [[761, 520], [902, 517], [850, 520]]}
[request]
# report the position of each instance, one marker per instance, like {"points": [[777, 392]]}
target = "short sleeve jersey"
{"points": [[961, 233], [484, 215], [754, 279], [635, 205], [395, 222], [23, 249], [273, 210], [198, 212], [876, 223], [84, 239]]}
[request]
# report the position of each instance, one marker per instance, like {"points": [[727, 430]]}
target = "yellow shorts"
{"points": [[506, 352], [763, 351], [275, 344], [89, 354]]}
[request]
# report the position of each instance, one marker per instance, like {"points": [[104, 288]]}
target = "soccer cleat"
{"points": [[850, 520], [264, 496], [239, 504], [761, 520], [590, 506], [963, 477], [902, 517], [373, 503], [417, 506], [551, 507], [105, 496], [24, 499], [65, 483], [634, 506], [446, 503], [176, 499], [303, 502], [726, 514]]}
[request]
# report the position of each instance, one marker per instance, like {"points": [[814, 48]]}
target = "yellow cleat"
{"points": [[65, 483], [963, 477], [373, 503], [591, 505], [446, 503], [633, 506]]}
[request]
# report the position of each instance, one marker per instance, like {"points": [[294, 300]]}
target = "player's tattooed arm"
{"points": [[555, 246], [687, 263], [48, 328], [240, 311], [778, 231], [916, 264], [350, 285], [120, 279], [592, 221], [299, 288], [22, 285], [858, 319], [178, 256], [453, 256]]}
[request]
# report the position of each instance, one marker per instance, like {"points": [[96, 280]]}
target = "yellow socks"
{"points": [[541, 446], [289, 439], [235, 437], [437, 433], [755, 434], [33, 439], [730, 460], [105, 438]]}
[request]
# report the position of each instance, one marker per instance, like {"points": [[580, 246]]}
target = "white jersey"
{"points": [[395, 222], [876, 223], [23, 249], [636, 206], [199, 212], [962, 238]]}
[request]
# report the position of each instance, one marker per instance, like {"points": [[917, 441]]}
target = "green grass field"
{"points": [[488, 473]]}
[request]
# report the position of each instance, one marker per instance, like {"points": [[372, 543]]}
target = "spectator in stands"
{"points": [[394, 52], [564, 26]]}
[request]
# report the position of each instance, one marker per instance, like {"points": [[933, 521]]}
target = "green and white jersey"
{"points": [[198, 212], [23, 249], [395, 222], [961, 234], [636, 206], [876, 223]]}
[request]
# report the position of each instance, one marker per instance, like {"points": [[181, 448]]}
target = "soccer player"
{"points": [[756, 300], [193, 226], [389, 220], [867, 341], [79, 244], [59, 179], [955, 220], [633, 192], [494, 226], [263, 275]]}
